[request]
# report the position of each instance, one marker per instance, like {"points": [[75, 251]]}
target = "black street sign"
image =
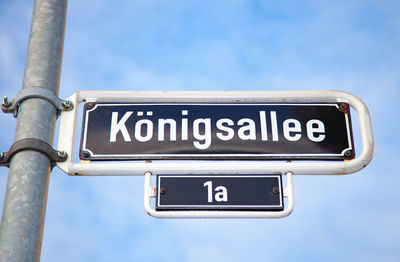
{"points": [[228, 131], [196, 192]]}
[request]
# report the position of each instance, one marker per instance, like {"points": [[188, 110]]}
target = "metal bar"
{"points": [[27, 186], [288, 193], [67, 135]]}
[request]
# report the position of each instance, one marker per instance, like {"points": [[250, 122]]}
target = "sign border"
{"points": [[220, 207], [305, 156]]}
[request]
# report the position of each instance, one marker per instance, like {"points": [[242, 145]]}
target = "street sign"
{"points": [[228, 131], [236, 126], [196, 192]]}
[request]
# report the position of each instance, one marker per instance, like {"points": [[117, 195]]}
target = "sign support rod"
{"points": [[22, 223]]}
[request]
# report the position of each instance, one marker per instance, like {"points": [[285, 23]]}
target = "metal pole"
{"points": [[21, 228]]}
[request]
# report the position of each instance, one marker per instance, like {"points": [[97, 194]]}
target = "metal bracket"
{"points": [[34, 92], [35, 145]]}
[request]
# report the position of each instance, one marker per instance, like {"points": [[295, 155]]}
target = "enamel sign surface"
{"points": [[246, 192], [227, 131]]}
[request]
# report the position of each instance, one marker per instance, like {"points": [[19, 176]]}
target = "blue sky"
{"points": [[223, 45]]}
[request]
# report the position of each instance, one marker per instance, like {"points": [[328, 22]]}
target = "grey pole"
{"points": [[21, 228]]}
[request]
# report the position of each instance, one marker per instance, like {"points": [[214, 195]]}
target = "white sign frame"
{"points": [[68, 126]]}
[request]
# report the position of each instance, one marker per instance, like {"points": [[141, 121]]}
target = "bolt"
{"points": [[348, 153], [343, 107], [275, 190], [62, 154], [90, 105], [163, 191], [67, 105], [6, 103], [86, 153]]}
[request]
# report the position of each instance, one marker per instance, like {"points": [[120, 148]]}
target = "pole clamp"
{"points": [[35, 145], [35, 92]]}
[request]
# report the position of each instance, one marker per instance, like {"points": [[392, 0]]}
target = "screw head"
{"points": [[6, 102], [85, 153], [67, 105], [348, 153], [62, 154], [163, 190], [343, 107], [90, 105], [275, 190]]}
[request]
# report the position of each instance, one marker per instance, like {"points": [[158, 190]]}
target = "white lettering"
{"points": [[208, 184], [221, 196], [201, 130], [250, 129], [117, 126], [274, 126], [311, 130], [228, 130], [172, 129], [291, 126], [263, 123], [138, 130], [184, 131], [206, 136]]}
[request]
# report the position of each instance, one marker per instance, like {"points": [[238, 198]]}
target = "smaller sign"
{"points": [[220, 192]]}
